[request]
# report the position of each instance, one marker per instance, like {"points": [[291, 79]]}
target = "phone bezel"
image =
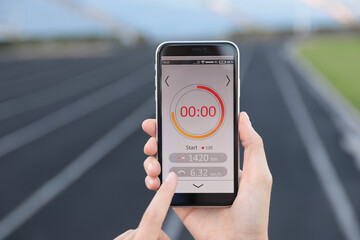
{"points": [[208, 48]]}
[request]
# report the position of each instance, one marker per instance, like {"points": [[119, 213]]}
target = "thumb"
{"points": [[255, 167]]}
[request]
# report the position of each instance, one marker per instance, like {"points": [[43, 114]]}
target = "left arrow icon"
{"points": [[166, 80]]}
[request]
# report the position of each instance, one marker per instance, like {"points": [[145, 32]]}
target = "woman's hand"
{"points": [[153, 218], [248, 217]]}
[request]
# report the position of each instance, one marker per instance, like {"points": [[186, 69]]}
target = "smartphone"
{"points": [[197, 95]]}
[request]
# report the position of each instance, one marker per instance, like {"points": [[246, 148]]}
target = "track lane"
{"points": [[40, 86], [299, 208], [72, 88], [111, 197], [331, 136]]}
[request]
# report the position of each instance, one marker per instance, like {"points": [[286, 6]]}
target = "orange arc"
{"points": [[209, 133]]}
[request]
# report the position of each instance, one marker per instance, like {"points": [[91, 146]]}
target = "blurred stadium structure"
{"points": [[76, 81]]}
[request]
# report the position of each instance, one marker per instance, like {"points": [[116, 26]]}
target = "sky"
{"points": [[158, 19]]}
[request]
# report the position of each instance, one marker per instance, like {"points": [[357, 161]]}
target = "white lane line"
{"points": [[72, 172], [343, 210], [74, 111], [344, 115], [58, 91], [173, 225], [11, 81]]}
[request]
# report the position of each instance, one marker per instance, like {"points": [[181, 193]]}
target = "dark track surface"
{"points": [[111, 197]]}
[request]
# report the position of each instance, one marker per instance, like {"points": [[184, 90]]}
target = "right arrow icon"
{"points": [[228, 80]]}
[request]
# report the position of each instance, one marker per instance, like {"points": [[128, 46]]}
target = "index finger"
{"points": [[153, 218]]}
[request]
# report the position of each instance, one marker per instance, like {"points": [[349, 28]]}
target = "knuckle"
{"points": [[259, 141], [264, 179], [149, 217], [256, 142]]}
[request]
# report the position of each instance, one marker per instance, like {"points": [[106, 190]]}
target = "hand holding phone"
{"points": [[247, 218]]}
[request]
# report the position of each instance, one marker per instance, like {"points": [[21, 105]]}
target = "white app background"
{"points": [[197, 176]]}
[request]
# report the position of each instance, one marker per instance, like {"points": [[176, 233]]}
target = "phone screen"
{"points": [[197, 100]]}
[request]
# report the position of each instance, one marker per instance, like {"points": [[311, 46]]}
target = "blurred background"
{"points": [[77, 80]]}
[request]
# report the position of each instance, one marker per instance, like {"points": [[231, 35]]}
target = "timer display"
{"points": [[197, 111], [203, 112]]}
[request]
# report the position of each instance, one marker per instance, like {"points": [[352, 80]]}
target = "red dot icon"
{"points": [[202, 147]]}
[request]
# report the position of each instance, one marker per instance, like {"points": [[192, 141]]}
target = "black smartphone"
{"points": [[197, 104]]}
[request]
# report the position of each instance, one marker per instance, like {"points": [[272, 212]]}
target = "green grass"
{"points": [[338, 59]]}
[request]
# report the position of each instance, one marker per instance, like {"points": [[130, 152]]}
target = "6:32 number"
{"points": [[199, 172]]}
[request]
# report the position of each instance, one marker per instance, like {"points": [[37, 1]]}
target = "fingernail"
{"points": [[170, 177]]}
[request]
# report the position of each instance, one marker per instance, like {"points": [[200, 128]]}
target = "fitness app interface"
{"points": [[198, 122]]}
